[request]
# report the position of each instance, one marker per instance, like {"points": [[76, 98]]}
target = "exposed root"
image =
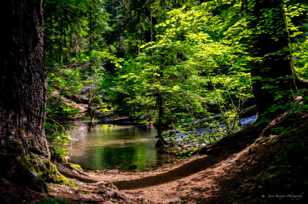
{"points": [[70, 172]]}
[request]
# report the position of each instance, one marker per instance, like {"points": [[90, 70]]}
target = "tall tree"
{"points": [[22, 83], [273, 76]]}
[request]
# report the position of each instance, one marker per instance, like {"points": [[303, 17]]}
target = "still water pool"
{"points": [[113, 146]]}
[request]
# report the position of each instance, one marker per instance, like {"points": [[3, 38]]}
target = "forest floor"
{"points": [[234, 170], [252, 166]]}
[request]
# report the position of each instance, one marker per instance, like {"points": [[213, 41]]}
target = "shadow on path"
{"points": [[214, 154]]}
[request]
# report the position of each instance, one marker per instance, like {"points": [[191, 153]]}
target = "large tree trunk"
{"points": [[22, 80], [272, 73]]}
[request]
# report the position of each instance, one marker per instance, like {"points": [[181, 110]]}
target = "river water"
{"points": [[113, 147], [121, 147]]}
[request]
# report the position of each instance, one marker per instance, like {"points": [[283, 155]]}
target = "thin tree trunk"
{"points": [[159, 124]]}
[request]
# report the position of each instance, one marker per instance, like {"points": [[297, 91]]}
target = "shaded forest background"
{"points": [[175, 64]]}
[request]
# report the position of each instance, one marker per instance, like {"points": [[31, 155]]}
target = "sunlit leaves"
{"points": [[196, 62]]}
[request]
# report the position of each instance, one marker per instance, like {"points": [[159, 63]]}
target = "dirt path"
{"points": [[173, 174], [168, 173], [214, 155], [187, 181], [194, 187], [214, 183], [237, 169]]}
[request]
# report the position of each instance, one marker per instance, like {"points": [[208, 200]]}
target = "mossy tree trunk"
{"points": [[22, 84], [273, 77]]}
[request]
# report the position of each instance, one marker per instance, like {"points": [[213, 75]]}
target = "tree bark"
{"points": [[159, 123], [22, 80], [272, 72]]}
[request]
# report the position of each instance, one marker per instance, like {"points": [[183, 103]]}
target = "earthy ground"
{"points": [[252, 166], [185, 181]]}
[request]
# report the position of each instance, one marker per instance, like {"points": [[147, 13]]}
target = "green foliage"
{"points": [[174, 61], [192, 65], [55, 126], [66, 80], [296, 18], [73, 27], [59, 110]]}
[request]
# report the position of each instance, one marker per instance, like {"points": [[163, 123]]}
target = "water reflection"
{"points": [[112, 146]]}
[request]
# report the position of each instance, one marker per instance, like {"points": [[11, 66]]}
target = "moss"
{"points": [[76, 166], [44, 169]]}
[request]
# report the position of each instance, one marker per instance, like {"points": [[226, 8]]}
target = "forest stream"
{"points": [[108, 146], [123, 147]]}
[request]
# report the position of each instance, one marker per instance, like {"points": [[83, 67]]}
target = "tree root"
{"points": [[70, 172]]}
